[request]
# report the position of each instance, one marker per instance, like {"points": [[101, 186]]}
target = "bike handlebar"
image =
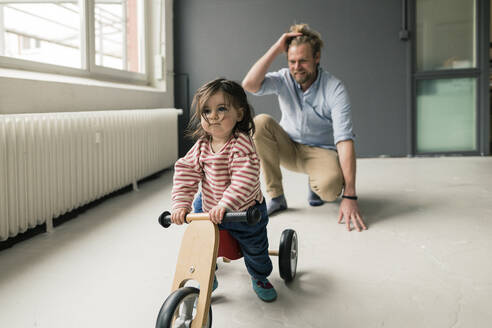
{"points": [[252, 215]]}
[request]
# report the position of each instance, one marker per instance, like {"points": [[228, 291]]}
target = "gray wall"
{"points": [[215, 38]]}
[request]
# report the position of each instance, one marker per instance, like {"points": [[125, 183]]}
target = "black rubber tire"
{"points": [[172, 304], [287, 255]]}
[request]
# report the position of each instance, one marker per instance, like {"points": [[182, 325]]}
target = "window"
{"points": [[446, 38], [119, 27], [52, 34], [42, 32], [446, 115]]}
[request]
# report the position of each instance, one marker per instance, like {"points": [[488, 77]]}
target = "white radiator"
{"points": [[52, 163]]}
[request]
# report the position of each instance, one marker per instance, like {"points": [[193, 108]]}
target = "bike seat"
{"points": [[228, 246]]}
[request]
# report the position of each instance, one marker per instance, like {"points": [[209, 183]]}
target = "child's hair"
{"points": [[234, 96], [309, 36]]}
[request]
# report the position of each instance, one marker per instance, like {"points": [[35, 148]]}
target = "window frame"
{"points": [[89, 69]]}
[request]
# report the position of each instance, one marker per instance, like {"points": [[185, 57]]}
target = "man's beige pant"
{"points": [[275, 148]]}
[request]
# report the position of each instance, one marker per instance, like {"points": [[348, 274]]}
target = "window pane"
{"points": [[44, 32], [445, 38], [120, 34], [446, 115]]}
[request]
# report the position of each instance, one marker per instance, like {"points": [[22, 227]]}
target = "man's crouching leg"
{"points": [[274, 147], [328, 187], [325, 175]]}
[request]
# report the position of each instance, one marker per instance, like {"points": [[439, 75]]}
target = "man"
{"points": [[315, 133]]}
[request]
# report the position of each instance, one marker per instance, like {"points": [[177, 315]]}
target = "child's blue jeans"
{"points": [[253, 240]]}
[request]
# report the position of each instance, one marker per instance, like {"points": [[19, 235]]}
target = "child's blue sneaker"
{"points": [[264, 290], [216, 283]]}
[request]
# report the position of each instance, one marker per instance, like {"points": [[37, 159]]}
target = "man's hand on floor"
{"points": [[349, 210]]}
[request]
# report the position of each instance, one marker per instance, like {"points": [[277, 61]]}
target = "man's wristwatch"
{"points": [[350, 197]]}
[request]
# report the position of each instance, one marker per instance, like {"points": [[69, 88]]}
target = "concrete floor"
{"points": [[424, 262]]}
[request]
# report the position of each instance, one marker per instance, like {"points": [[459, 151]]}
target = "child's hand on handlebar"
{"points": [[216, 214], [178, 215]]}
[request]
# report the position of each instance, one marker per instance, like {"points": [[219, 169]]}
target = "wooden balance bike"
{"points": [[200, 247]]}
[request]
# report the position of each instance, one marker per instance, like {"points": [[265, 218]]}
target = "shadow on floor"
{"points": [[377, 209]]}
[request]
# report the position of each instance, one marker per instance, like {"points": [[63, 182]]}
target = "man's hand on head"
{"points": [[281, 44]]}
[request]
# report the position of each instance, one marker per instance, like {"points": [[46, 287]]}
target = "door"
{"points": [[447, 73]]}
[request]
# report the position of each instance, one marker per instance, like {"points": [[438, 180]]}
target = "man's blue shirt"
{"points": [[320, 116]]}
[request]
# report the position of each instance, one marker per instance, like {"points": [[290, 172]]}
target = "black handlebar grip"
{"points": [[252, 216], [165, 219]]}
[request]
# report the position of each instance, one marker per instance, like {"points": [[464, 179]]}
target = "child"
{"points": [[224, 160]]}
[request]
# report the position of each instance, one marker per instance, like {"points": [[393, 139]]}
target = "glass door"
{"points": [[446, 77]]}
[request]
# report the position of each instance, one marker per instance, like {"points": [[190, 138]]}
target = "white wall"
{"points": [[27, 92]]}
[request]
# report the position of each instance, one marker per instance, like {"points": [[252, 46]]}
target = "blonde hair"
{"points": [[309, 36]]}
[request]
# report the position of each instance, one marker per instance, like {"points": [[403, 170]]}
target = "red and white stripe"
{"points": [[230, 177]]}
